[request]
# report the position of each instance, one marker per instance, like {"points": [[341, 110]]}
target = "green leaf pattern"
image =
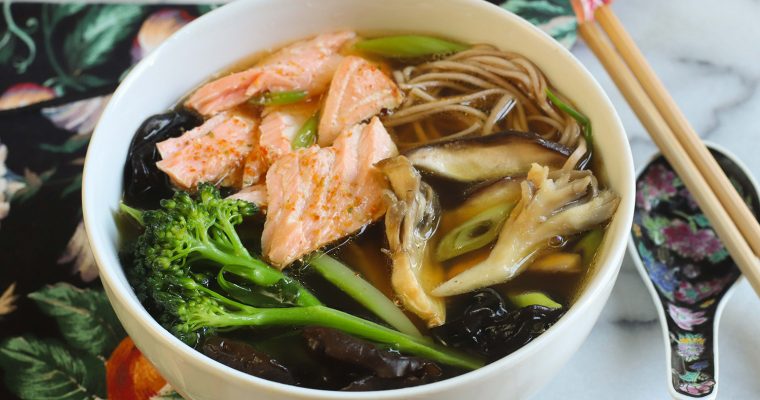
{"points": [[96, 33], [555, 17], [48, 369], [654, 228], [36, 369], [84, 317]]}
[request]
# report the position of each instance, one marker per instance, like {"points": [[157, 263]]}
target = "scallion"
{"points": [[278, 98], [347, 280], [307, 134], [408, 46], [477, 232], [577, 116], [528, 299]]}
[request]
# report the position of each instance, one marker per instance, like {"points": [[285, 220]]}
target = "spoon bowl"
{"points": [[686, 268]]}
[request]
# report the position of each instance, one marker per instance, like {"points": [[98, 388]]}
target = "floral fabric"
{"points": [[59, 338]]}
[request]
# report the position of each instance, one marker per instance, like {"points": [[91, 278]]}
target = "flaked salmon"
{"points": [[306, 65], [168, 147], [279, 126], [223, 93], [255, 165], [319, 195], [215, 156], [256, 194], [358, 91]]}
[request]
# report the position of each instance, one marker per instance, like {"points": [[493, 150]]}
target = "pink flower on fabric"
{"points": [[157, 28], [693, 243], [659, 184], [685, 318], [24, 94], [584, 9], [80, 116]]}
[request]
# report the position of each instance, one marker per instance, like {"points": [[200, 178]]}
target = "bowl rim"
{"points": [[594, 287]]}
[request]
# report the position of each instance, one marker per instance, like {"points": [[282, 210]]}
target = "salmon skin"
{"points": [[359, 90], [307, 65], [213, 153], [319, 195]]}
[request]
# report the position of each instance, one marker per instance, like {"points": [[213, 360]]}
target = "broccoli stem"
{"points": [[347, 280], [252, 271], [136, 214], [258, 272], [331, 318]]}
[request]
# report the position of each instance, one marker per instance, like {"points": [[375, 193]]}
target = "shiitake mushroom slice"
{"points": [[482, 158]]}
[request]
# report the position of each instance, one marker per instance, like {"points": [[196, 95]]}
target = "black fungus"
{"points": [[144, 183], [488, 327], [243, 357], [382, 369]]}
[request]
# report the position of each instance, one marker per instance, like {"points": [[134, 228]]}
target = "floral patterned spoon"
{"points": [[687, 270]]}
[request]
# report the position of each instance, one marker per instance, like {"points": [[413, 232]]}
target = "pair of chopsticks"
{"points": [[679, 143]]}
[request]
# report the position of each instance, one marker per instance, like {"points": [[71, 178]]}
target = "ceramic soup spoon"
{"points": [[687, 270]]}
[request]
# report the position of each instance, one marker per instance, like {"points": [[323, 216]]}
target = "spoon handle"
{"points": [[692, 352]]}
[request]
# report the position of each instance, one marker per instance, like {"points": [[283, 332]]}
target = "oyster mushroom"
{"points": [[411, 220], [569, 204]]}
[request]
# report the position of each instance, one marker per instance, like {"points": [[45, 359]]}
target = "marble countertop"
{"points": [[707, 54]]}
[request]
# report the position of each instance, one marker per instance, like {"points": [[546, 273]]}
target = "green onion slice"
{"points": [[479, 231], [278, 98], [408, 46], [307, 134], [533, 299], [583, 120]]}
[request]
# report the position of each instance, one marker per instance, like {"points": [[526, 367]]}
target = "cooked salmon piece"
{"points": [[215, 157], [234, 177], [279, 126], [319, 195], [256, 194], [255, 165], [223, 93], [168, 147], [307, 65], [359, 90]]}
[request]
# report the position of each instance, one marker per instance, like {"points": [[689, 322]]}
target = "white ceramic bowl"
{"points": [[232, 32]]}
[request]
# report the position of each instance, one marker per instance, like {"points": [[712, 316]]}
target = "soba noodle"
{"points": [[481, 91]]}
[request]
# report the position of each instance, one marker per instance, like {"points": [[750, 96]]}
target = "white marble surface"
{"points": [[707, 53]]}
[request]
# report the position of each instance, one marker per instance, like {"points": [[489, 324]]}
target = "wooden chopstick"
{"points": [[674, 152], [708, 167]]}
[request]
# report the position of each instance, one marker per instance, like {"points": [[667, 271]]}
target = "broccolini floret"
{"points": [[186, 232]]}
